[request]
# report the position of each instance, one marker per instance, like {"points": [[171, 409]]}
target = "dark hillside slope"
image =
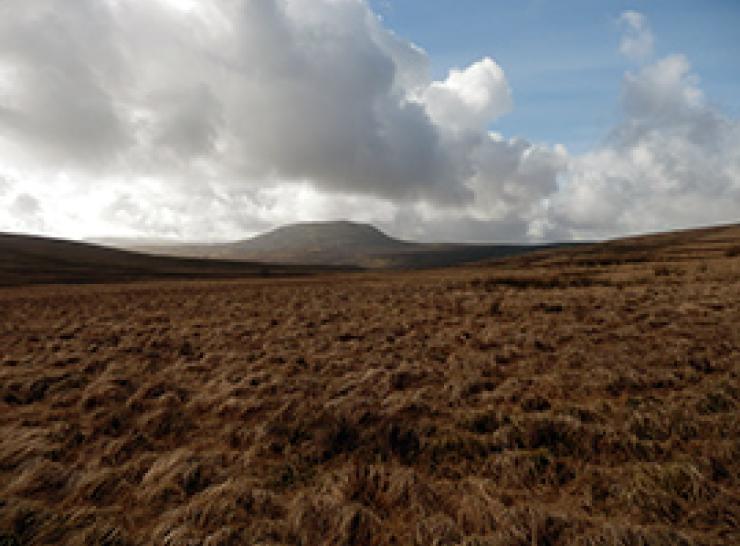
{"points": [[26, 259]]}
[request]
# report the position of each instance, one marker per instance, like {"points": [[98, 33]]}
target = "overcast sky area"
{"points": [[470, 121]]}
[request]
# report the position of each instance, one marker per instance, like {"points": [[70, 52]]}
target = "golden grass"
{"points": [[581, 396]]}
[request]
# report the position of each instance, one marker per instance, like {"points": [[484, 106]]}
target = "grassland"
{"points": [[582, 396]]}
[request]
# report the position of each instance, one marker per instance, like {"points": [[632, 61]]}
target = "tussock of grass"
{"points": [[528, 469], [664, 492], [559, 435], [733, 251], [621, 535]]}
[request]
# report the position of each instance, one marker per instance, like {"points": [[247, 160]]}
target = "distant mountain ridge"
{"points": [[340, 243]]}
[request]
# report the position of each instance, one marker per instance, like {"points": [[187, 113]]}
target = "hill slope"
{"points": [[340, 243], [26, 259]]}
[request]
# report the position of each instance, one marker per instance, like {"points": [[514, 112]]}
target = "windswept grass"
{"points": [[576, 397]]}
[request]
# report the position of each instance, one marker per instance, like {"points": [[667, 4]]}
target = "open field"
{"points": [[584, 396]]}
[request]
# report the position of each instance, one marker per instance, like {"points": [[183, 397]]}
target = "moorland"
{"points": [[583, 395]]}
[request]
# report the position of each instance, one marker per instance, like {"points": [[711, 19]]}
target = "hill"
{"points": [[26, 259], [339, 243], [324, 237]]}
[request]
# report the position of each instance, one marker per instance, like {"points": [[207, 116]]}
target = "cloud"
{"points": [[4, 186], [637, 41], [26, 205], [56, 104], [207, 120], [27, 212], [673, 161], [469, 99], [244, 91], [238, 97]]}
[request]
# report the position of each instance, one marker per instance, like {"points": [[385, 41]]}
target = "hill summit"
{"points": [[332, 236]]}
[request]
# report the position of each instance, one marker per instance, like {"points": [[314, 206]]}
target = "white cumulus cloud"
{"points": [[469, 99], [673, 161]]}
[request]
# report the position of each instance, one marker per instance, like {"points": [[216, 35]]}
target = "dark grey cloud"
{"points": [[244, 94], [252, 90], [190, 121], [58, 103]]}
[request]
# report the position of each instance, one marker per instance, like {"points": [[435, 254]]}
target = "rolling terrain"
{"points": [[578, 396], [26, 259], [338, 243]]}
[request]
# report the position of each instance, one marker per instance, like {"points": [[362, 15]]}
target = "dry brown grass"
{"points": [[585, 396]]}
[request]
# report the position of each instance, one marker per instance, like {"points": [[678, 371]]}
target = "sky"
{"points": [[561, 63], [472, 120]]}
